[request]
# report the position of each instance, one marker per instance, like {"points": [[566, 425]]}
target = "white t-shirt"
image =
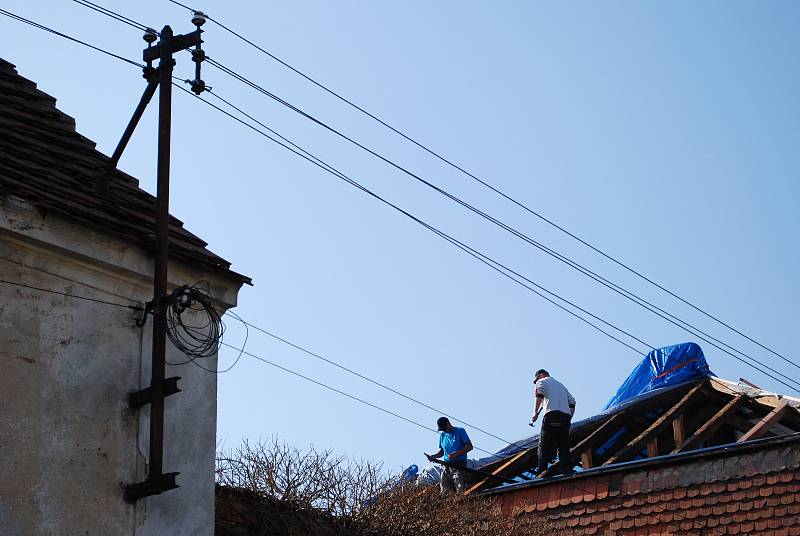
{"points": [[556, 396]]}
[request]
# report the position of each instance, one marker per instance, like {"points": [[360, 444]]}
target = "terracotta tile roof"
{"points": [[721, 501], [45, 161]]}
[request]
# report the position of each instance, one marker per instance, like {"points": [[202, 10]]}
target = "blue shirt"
{"points": [[453, 441]]}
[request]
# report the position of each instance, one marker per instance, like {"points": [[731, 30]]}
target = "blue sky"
{"points": [[664, 133]]}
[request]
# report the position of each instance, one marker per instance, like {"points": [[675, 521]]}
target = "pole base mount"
{"points": [[151, 486]]}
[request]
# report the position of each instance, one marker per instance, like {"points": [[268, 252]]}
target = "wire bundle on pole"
{"points": [[199, 335]]}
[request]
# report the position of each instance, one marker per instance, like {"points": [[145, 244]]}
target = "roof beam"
{"points": [[587, 459], [652, 447], [515, 462], [712, 425], [585, 447], [639, 442], [763, 426], [678, 430]]}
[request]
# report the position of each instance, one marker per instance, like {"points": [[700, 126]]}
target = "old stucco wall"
{"points": [[68, 440]]}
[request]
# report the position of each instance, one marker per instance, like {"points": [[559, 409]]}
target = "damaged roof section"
{"points": [[45, 161], [669, 422]]}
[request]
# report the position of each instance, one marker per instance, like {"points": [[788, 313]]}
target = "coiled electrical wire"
{"points": [[193, 324]]}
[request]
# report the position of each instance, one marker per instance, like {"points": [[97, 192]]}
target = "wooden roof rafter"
{"points": [[764, 425], [640, 442], [712, 425], [515, 463], [583, 450]]}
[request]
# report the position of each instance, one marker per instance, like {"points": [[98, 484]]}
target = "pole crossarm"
{"points": [[175, 44]]}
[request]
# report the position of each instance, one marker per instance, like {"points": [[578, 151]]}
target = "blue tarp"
{"points": [[662, 368]]}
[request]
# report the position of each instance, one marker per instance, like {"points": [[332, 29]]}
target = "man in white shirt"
{"points": [[558, 406]]}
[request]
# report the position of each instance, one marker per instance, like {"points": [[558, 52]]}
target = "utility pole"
{"points": [[160, 387]]}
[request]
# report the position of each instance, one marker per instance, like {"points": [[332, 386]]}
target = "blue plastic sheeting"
{"points": [[664, 367], [409, 474]]}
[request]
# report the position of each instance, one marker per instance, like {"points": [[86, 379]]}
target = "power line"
{"points": [[483, 258], [486, 260], [659, 312], [328, 168], [77, 297], [243, 352], [114, 15], [339, 391], [11, 15], [366, 378], [316, 161], [65, 36], [193, 361], [475, 253], [568, 261], [491, 187], [397, 415], [689, 328]]}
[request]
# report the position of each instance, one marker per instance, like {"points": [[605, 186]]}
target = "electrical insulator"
{"points": [[198, 18], [150, 36]]}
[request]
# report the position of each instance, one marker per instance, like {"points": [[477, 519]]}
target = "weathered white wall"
{"points": [[68, 440]]}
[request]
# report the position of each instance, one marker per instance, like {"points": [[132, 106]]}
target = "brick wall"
{"points": [[754, 493]]}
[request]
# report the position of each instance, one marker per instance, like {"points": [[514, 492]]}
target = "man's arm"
{"points": [[537, 406], [456, 454], [435, 456]]}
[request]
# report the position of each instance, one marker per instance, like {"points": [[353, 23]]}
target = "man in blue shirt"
{"points": [[454, 444]]}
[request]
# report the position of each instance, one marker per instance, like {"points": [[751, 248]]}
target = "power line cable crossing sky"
{"points": [[494, 189], [633, 148]]}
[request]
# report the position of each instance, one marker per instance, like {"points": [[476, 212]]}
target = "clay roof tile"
{"points": [[46, 162]]}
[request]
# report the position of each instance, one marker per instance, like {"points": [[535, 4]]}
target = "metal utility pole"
{"points": [[160, 387]]}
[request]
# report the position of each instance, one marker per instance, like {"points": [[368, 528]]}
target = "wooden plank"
{"points": [[638, 443], [472, 471], [652, 448], [599, 434], [712, 425], [763, 426], [749, 383], [771, 401], [791, 418], [678, 431], [586, 459], [722, 387], [515, 460], [519, 461]]}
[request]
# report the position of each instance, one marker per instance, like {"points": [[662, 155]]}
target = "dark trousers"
{"points": [[555, 436]]}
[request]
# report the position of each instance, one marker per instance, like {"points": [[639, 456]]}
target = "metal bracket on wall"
{"points": [[146, 395], [165, 482]]}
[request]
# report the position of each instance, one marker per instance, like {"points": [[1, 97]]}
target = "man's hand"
{"points": [[534, 417]]}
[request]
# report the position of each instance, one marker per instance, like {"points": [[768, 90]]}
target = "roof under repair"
{"points": [[671, 406]]}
